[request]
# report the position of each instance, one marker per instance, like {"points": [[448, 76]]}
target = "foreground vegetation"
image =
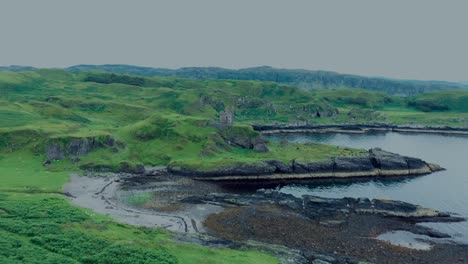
{"points": [[38, 225], [135, 121]]}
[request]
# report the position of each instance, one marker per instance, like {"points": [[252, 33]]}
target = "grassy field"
{"points": [[155, 121], [38, 225]]}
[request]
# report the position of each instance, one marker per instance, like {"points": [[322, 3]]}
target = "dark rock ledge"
{"points": [[376, 164], [357, 128], [318, 208]]}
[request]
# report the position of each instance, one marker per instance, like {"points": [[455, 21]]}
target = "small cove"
{"points": [[445, 191]]}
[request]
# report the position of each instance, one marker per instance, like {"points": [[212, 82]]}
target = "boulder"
{"points": [[258, 143], [280, 167], [385, 160]]}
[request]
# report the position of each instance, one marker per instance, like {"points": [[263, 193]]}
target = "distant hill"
{"points": [[16, 68], [305, 79]]}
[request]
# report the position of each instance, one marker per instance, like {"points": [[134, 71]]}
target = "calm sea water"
{"points": [[445, 191]]}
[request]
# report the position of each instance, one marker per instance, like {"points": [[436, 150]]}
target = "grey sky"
{"points": [[415, 39]]}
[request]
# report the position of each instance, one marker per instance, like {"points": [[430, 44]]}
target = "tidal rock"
{"points": [[315, 207]]}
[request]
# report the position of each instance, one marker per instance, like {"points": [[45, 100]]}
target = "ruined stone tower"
{"points": [[226, 117]]}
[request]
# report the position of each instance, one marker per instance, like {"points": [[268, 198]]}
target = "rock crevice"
{"points": [[57, 149]]}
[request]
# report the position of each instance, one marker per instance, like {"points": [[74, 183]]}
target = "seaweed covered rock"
{"points": [[316, 207]]}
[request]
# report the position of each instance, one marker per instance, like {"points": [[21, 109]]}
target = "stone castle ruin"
{"points": [[226, 117]]}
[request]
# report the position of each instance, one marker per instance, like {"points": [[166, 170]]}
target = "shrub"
{"points": [[122, 254], [107, 78], [428, 105]]}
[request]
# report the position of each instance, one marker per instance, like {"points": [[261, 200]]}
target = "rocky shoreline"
{"points": [[377, 163], [102, 193], [357, 129], [329, 230], [309, 229], [315, 207]]}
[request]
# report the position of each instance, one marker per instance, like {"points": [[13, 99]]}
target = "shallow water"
{"points": [[445, 191], [406, 239]]}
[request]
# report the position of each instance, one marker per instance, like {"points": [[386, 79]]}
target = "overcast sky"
{"points": [[411, 39]]}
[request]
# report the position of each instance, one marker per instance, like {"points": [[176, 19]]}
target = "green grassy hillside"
{"points": [[155, 120], [160, 120], [126, 122]]}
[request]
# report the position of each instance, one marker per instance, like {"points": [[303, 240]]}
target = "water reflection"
{"points": [[322, 137], [329, 183]]}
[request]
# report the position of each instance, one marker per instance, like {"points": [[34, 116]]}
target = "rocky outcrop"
{"points": [[316, 225], [356, 128], [304, 167], [315, 207], [260, 168], [327, 112], [244, 138], [121, 167], [281, 167], [57, 149], [377, 163]]}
